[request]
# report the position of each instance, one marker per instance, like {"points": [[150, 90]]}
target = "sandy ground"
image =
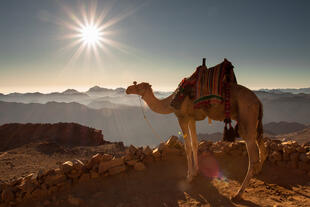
{"points": [[164, 184]]}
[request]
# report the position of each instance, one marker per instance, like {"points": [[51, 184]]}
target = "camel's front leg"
{"points": [[192, 127], [188, 147]]}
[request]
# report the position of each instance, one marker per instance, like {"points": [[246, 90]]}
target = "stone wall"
{"points": [[45, 183]]}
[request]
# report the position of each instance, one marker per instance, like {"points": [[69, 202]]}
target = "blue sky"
{"points": [[158, 41]]}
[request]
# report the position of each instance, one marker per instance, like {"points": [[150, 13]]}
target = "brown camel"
{"points": [[246, 109]]}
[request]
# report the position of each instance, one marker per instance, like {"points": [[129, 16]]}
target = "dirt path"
{"points": [[164, 184]]}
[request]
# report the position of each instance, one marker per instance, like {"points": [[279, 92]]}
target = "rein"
{"points": [[148, 122]]}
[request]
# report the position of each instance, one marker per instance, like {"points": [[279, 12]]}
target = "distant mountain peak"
{"points": [[98, 89], [70, 91]]}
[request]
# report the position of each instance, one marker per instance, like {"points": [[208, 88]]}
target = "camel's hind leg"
{"points": [[254, 163], [262, 155], [188, 147]]}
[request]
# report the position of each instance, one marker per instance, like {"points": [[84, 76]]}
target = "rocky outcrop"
{"points": [[45, 183], [72, 134]]}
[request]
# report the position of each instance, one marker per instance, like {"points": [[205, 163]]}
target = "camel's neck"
{"points": [[159, 106]]}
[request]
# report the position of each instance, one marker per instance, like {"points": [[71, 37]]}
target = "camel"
{"points": [[246, 109]]}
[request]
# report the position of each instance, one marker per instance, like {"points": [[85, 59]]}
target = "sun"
{"points": [[91, 34]]}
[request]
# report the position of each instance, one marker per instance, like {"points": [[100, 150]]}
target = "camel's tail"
{"points": [[260, 130], [260, 134]]}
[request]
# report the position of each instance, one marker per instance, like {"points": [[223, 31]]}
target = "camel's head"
{"points": [[139, 89]]}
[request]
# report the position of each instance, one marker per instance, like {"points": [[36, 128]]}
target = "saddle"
{"points": [[206, 87]]}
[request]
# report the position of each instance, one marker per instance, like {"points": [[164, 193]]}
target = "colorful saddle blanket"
{"points": [[205, 86]]}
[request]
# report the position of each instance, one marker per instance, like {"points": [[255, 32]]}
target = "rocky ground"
{"points": [[144, 177]]}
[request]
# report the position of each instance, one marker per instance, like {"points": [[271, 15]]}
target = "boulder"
{"points": [[104, 166], [301, 149], [275, 156], [51, 180], [84, 177], [66, 167], [28, 183], [156, 154], [147, 151], [174, 142]]}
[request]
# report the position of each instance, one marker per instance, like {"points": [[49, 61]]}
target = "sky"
{"points": [[155, 41]]}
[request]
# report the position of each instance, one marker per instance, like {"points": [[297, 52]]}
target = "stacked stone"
{"points": [[69, 173], [222, 148], [289, 154]]}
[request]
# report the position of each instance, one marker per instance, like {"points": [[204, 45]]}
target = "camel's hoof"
{"points": [[237, 198], [189, 178], [196, 173]]}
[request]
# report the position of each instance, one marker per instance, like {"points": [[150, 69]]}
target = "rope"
{"points": [[148, 122]]}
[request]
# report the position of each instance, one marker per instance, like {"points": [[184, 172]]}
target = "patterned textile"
{"points": [[205, 86]]}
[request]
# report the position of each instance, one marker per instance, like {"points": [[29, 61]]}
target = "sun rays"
{"points": [[90, 33]]}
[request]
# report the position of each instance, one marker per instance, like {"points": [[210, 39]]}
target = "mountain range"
{"points": [[120, 117]]}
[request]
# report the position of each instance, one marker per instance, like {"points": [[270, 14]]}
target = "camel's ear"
{"points": [[135, 82]]}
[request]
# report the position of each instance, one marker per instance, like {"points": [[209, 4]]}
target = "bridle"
{"points": [[144, 115]]}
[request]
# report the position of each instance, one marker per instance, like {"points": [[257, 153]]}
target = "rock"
{"points": [[39, 192], [74, 200], [52, 190], [28, 183], [156, 154], [84, 177], [104, 166], [290, 143], [301, 149], [94, 174], [96, 159], [117, 170], [162, 147], [77, 164], [131, 162], [147, 151], [148, 159], [174, 142], [51, 180], [7, 195], [139, 166], [66, 167], [131, 150], [204, 146], [74, 174], [275, 156]]}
